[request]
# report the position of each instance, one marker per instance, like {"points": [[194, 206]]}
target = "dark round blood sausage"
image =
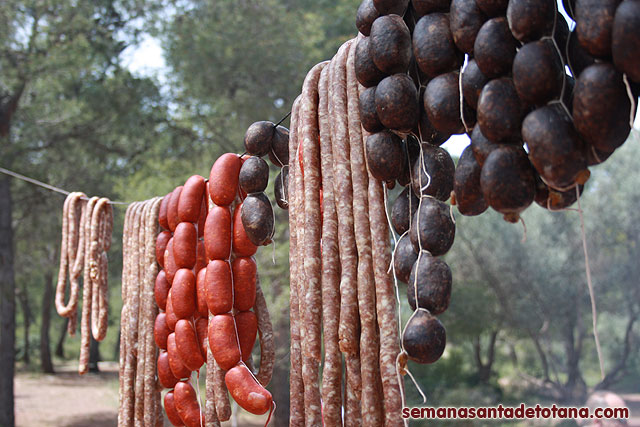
{"points": [[185, 240], [170, 266], [202, 325], [247, 392], [244, 272], [161, 245], [187, 404], [170, 409], [201, 294], [162, 214], [188, 345], [175, 363], [171, 316], [219, 287], [242, 245], [184, 294], [172, 208], [201, 256], [161, 331], [247, 324], [223, 180], [166, 377], [217, 233], [161, 290], [190, 201], [223, 341]]}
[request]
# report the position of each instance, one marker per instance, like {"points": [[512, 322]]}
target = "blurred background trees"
{"points": [[73, 114]]}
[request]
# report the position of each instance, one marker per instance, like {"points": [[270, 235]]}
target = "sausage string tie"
{"points": [[462, 69], [587, 266], [560, 100], [632, 99]]}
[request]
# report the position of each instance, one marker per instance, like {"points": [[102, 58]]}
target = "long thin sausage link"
{"points": [[296, 387], [332, 370], [132, 316], [151, 397], [97, 269], [349, 327], [311, 249], [267, 344], [124, 318], [385, 305], [349, 317], [85, 325], [369, 348], [68, 253], [142, 344]]}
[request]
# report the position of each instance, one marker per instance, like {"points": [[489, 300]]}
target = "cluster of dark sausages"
{"points": [[494, 69]]}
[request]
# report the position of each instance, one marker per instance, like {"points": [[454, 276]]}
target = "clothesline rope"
{"points": [[48, 186]]}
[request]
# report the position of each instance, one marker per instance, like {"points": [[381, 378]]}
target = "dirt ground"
{"points": [[68, 400]]}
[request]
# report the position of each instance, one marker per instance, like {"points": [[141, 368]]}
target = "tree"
{"points": [[538, 297], [58, 63]]}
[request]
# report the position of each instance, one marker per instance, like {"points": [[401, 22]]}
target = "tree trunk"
{"points": [[7, 306], [63, 334], [26, 314], [484, 369], [47, 302], [94, 355]]}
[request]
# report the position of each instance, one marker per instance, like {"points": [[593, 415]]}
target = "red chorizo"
{"points": [[223, 180], [175, 363], [242, 246], [247, 325], [172, 209], [162, 214], [161, 290], [190, 202], [202, 325], [183, 289], [204, 211], [166, 377], [247, 392], [218, 287], [201, 296], [171, 316], [188, 345], [161, 246], [244, 271], [170, 409], [170, 266], [201, 256], [223, 341], [161, 331], [185, 240], [187, 404], [217, 233]]}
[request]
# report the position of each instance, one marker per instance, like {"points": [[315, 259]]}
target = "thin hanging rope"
{"points": [[594, 311], [49, 186]]}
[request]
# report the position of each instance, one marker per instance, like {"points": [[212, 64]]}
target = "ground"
{"points": [[69, 400]]}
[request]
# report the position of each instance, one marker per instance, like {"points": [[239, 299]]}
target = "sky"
{"points": [[146, 59]]}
